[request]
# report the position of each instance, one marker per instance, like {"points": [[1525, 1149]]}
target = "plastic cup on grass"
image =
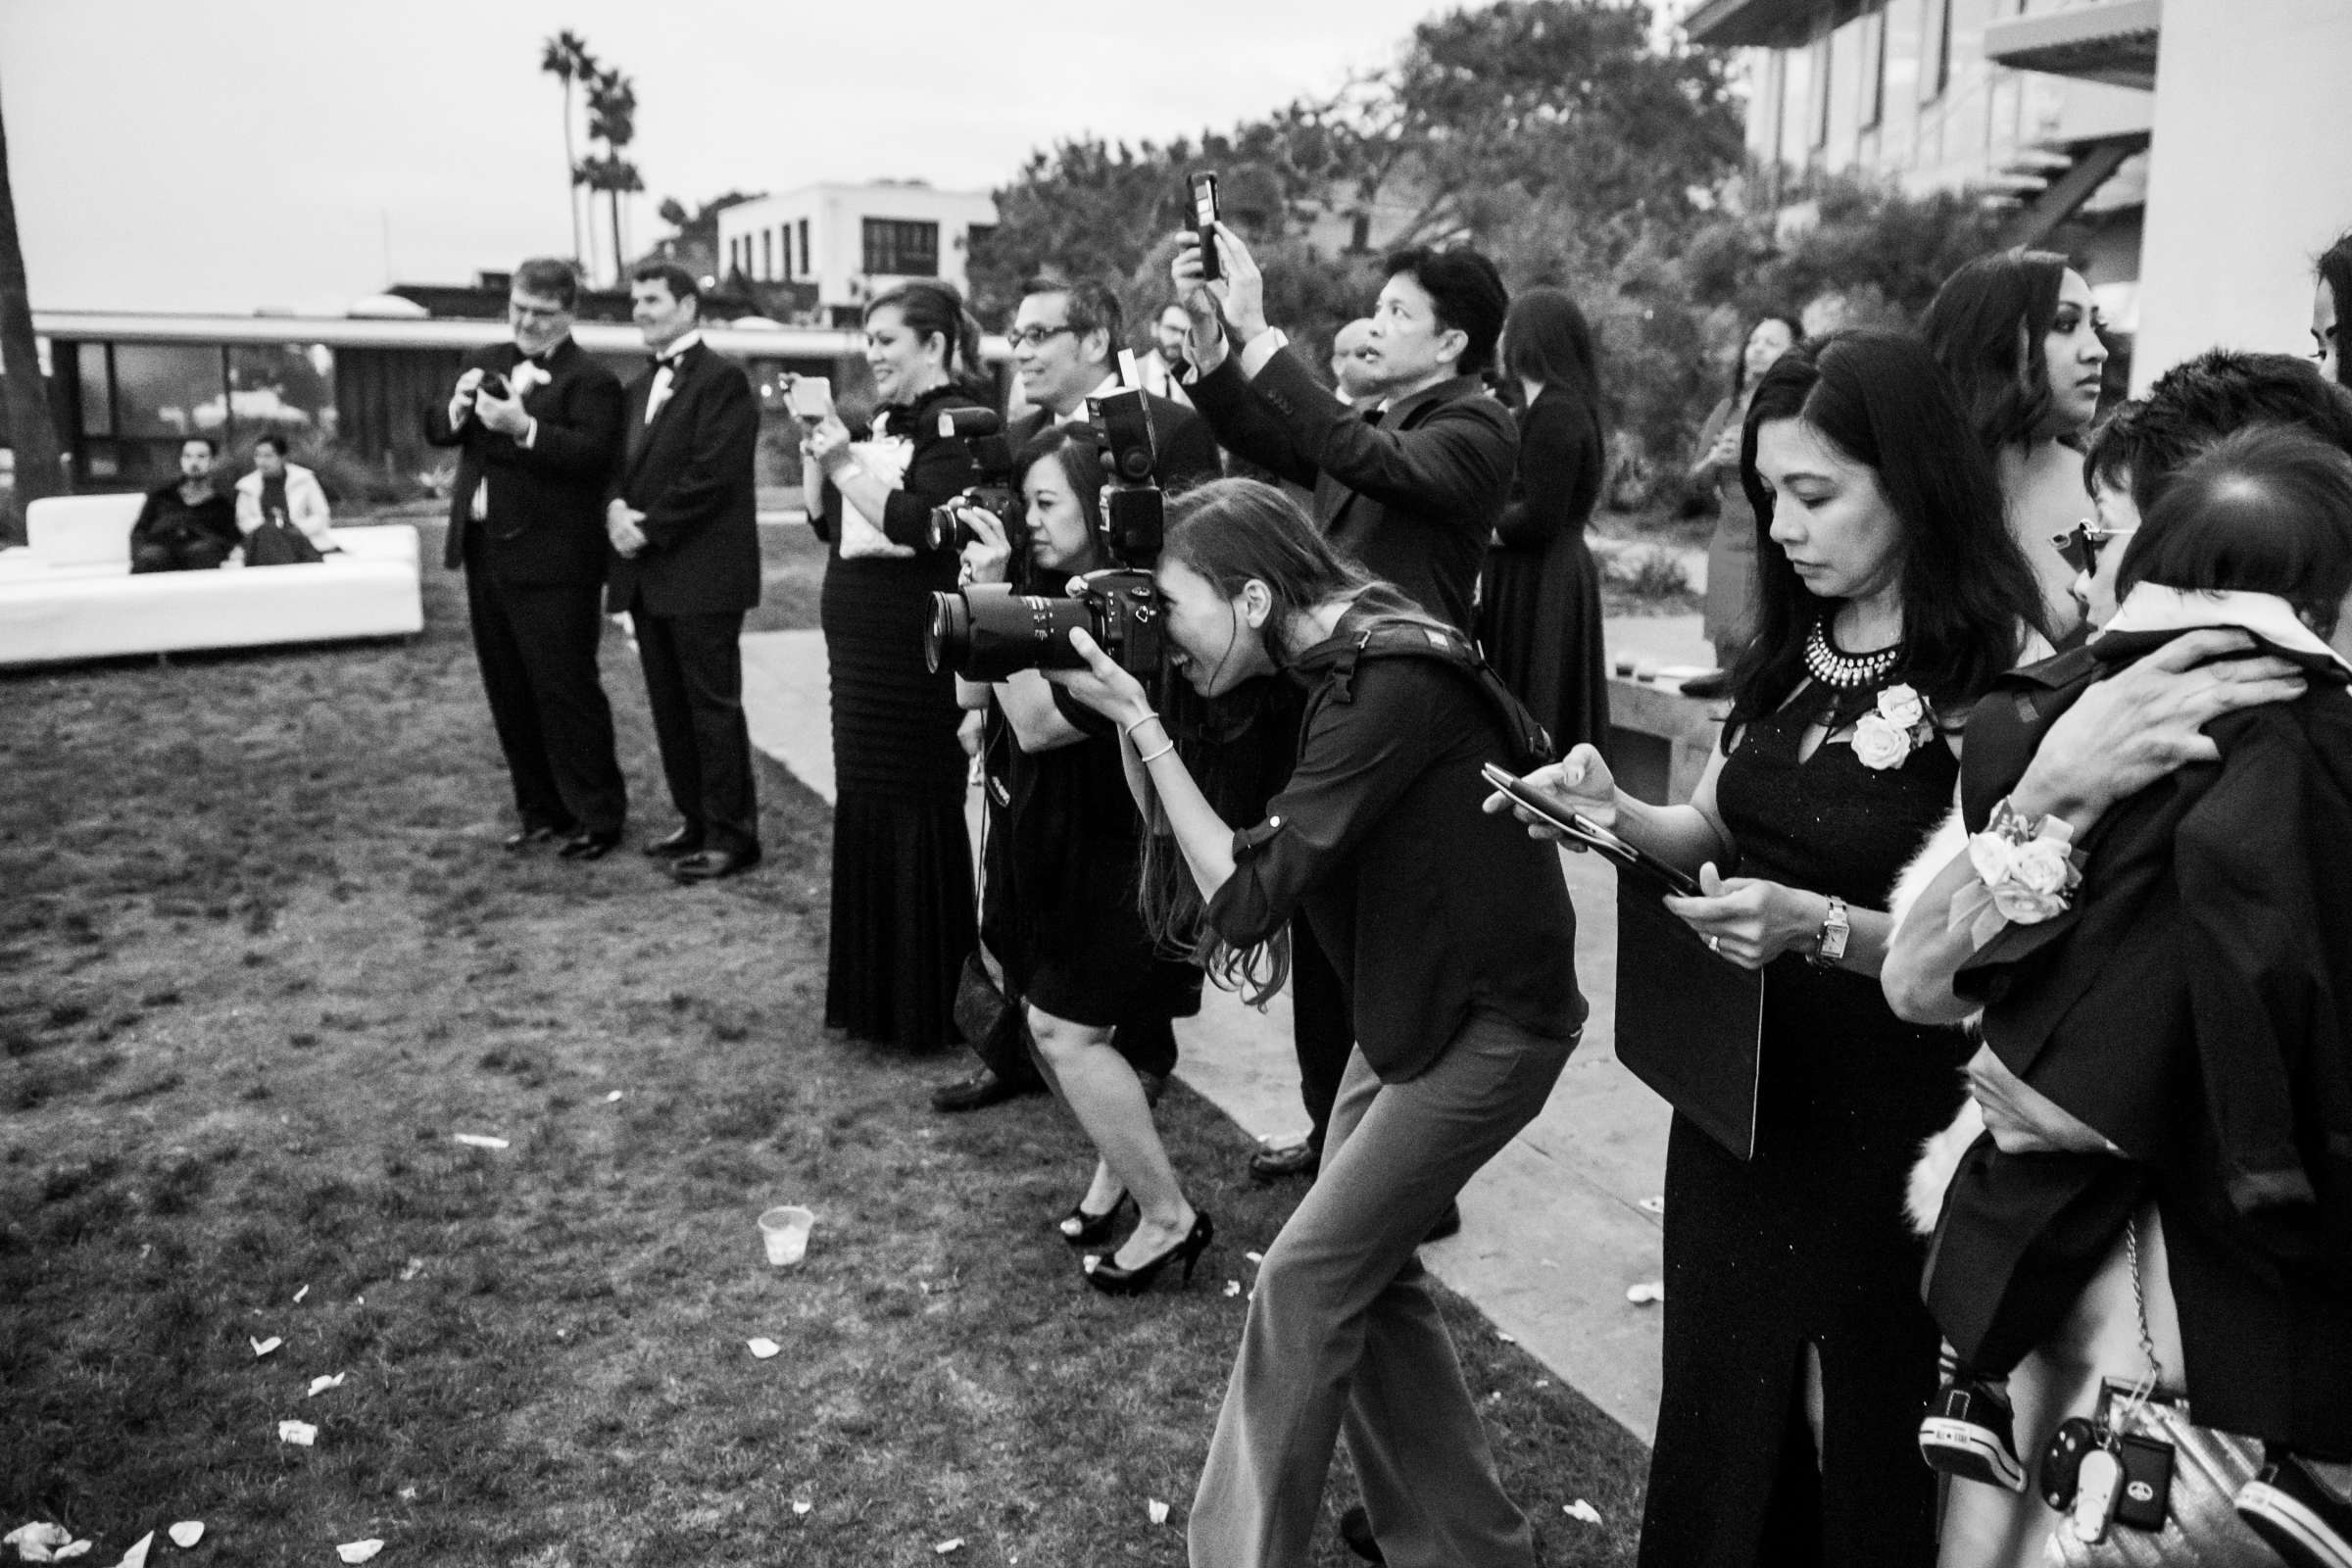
{"points": [[785, 1231]]}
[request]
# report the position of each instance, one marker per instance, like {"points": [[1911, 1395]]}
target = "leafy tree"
{"points": [[694, 244], [25, 419]]}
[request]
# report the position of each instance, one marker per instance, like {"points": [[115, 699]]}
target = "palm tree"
{"points": [[24, 400], [613, 121], [566, 57]]}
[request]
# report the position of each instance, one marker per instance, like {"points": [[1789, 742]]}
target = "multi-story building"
{"points": [[854, 241], [2201, 144]]}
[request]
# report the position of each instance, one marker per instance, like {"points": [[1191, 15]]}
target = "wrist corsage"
{"points": [[2026, 871], [1899, 725]]}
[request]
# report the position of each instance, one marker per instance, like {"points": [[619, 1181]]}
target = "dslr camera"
{"points": [[987, 631], [983, 436]]}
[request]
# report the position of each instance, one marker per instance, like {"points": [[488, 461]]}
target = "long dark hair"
{"points": [[936, 309], [1233, 532], [2336, 276], [1546, 340], [1985, 327], [1079, 453], [1967, 592]]}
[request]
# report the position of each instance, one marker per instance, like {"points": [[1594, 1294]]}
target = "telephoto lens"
{"points": [[988, 632]]}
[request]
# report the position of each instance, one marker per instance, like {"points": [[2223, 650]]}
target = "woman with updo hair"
{"points": [[2331, 311], [2017, 332], [903, 919]]}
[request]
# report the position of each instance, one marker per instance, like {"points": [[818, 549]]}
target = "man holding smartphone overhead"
{"points": [[1411, 488], [537, 423]]}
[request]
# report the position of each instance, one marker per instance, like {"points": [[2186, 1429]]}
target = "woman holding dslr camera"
{"points": [[1062, 914], [901, 921], [1454, 938]]}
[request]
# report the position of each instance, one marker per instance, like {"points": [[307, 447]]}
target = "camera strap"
{"points": [[1530, 743]]}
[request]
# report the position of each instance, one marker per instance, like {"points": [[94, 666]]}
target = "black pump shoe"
{"points": [[1081, 1229], [1111, 1280]]}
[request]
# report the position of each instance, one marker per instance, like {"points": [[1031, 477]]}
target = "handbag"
{"points": [[991, 1022], [2209, 1466]]}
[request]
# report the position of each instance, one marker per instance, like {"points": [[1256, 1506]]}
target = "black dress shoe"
{"points": [[1356, 1529], [670, 846], [980, 1091], [1111, 1280], [531, 838], [589, 846], [709, 866], [1293, 1160]]}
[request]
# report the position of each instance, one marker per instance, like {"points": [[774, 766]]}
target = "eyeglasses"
{"points": [[2081, 544], [1036, 337]]}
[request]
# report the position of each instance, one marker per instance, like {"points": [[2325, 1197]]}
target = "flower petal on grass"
{"points": [[359, 1551], [80, 1548], [320, 1385], [299, 1433], [262, 1347], [1233, 1286], [763, 1348], [612, 1098], [414, 1267], [1158, 1510], [299, 1295], [480, 1141], [187, 1533], [1581, 1509], [798, 1506], [37, 1541], [952, 1544]]}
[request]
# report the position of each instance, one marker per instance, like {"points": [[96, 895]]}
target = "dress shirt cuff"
{"points": [[530, 433], [1261, 347]]}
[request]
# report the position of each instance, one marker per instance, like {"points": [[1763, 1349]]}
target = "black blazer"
{"points": [[546, 521], [1413, 496], [691, 473], [1186, 452]]}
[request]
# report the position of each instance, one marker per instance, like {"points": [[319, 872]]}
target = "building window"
{"points": [[900, 248], [97, 388], [977, 235], [807, 266], [767, 256], [1936, 50], [1817, 110], [1872, 39], [170, 389], [784, 244]]}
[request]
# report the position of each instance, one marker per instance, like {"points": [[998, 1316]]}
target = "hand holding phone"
{"points": [[810, 397], [1204, 194], [1582, 831]]}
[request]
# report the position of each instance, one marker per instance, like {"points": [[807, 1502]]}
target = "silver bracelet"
{"points": [[1129, 731], [1156, 755]]}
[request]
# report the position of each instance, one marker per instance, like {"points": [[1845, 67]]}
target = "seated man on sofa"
{"points": [[188, 525]]}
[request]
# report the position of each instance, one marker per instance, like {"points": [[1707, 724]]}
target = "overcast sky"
{"points": [[234, 154]]}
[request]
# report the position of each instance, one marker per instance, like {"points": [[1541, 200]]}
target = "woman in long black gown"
{"points": [[1797, 1354], [902, 915], [1538, 609]]}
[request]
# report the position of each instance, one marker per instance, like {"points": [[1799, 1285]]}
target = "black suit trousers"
{"points": [[694, 684], [537, 649]]}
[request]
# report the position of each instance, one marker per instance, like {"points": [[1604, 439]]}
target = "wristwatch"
{"points": [[1830, 945]]}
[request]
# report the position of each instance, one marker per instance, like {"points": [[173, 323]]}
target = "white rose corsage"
{"points": [[1899, 726], [2026, 871], [886, 456]]}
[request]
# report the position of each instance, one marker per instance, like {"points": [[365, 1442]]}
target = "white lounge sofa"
{"points": [[69, 593]]}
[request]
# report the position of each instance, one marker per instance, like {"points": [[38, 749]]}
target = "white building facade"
{"points": [[852, 242], [2201, 144]]}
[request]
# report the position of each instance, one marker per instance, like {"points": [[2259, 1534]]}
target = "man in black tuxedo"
{"points": [[1066, 339], [537, 424], [685, 537]]}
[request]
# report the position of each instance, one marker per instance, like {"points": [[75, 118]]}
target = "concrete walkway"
{"points": [[1559, 1225]]}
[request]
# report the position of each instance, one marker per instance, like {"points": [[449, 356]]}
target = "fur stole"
{"points": [[1939, 1156]]}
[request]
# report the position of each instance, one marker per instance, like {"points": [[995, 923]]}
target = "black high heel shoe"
{"points": [[1081, 1229], [1111, 1280]]}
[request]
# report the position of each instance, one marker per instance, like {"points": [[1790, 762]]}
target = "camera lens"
{"points": [[947, 634]]}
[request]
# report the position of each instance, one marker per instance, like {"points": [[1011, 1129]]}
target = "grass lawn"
{"points": [[260, 959]]}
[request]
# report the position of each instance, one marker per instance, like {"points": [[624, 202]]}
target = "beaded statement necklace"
{"points": [[1846, 671]]}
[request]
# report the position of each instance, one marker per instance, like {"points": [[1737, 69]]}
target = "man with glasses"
{"points": [[1066, 339], [537, 424]]}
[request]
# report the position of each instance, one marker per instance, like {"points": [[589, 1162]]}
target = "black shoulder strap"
{"points": [[1531, 744]]}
